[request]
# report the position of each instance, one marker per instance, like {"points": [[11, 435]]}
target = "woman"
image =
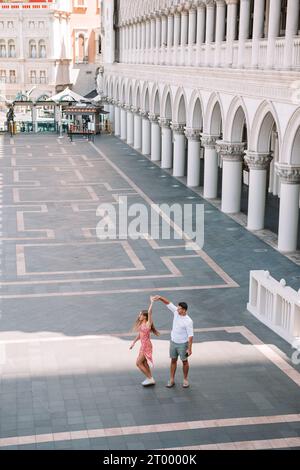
{"points": [[144, 325]]}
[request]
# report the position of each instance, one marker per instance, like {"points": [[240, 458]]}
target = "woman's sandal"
{"points": [[170, 384], [185, 384]]}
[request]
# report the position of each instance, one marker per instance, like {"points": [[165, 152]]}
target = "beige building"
{"points": [[85, 43]]}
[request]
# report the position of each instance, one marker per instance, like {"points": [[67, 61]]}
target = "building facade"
{"points": [[35, 52], [86, 44], [211, 90]]}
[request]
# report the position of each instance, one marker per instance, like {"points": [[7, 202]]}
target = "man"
{"points": [[181, 339]]}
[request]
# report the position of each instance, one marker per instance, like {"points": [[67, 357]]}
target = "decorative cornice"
{"points": [[230, 151], [164, 122], [177, 128], [192, 134], [209, 141], [289, 174], [258, 161]]}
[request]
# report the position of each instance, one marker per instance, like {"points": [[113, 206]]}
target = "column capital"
{"points": [[134, 110], [210, 3], [232, 2], [192, 134], [127, 107], [177, 128], [164, 122], [288, 174], [144, 113], [258, 161], [209, 141], [230, 151], [153, 117]]}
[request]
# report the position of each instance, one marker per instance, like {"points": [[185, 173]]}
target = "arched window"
{"points": [[2, 48], [2, 76], [12, 76], [81, 47], [32, 76], [42, 49], [32, 49], [42, 76], [11, 48]]}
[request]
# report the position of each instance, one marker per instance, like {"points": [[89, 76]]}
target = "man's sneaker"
{"points": [[148, 382]]}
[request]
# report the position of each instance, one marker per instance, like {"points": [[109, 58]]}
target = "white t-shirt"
{"points": [[182, 326]]}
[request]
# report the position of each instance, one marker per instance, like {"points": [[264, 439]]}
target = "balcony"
{"points": [[8, 79], [38, 80]]}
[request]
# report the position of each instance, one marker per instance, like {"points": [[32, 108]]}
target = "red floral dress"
{"points": [[146, 345]]}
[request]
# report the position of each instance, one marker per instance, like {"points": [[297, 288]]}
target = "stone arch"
{"points": [[167, 104], [145, 97], [214, 116], [291, 140], [123, 92], [263, 124], [195, 112], [155, 101], [237, 122], [137, 96], [180, 107], [130, 94]]}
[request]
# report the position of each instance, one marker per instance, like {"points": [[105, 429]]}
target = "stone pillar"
{"points": [[152, 31], [112, 112], [148, 32], [258, 164], [291, 31], [220, 29], [179, 149], [34, 119], [123, 123], [164, 31], [231, 154], [258, 29], [192, 25], [273, 31], [137, 141], [193, 163], [231, 29], [184, 28], [201, 12], [289, 206], [155, 138], [117, 119], [166, 143], [210, 190], [243, 30], [170, 31], [130, 127], [177, 17], [146, 134], [210, 29]]}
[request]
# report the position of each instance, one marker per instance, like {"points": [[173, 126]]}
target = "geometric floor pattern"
{"points": [[68, 301]]}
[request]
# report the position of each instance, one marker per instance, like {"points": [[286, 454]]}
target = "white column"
{"points": [[184, 28], [291, 31], [273, 31], [231, 154], [137, 130], [243, 30], [34, 119], [193, 160], [177, 18], [258, 29], [192, 25], [155, 138], [201, 14], [123, 123], [158, 32], [148, 33], [231, 28], [152, 31], [220, 29], [210, 30], [112, 113], [210, 189], [166, 143], [289, 206], [146, 134], [258, 165], [179, 149], [170, 31], [164, 30], [117, 121], [130, 126]]}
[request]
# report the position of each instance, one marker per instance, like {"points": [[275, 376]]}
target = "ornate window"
{"points": [[42, 76], [33, 76], [12, 76], [11, 48], [2, 48], [32, 49], [2, 76], [42, 49]]}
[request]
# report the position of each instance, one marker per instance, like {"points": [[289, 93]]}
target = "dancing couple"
{"points": [[180, 344]]}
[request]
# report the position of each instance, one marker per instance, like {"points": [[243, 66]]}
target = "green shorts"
{"points": [[178, 349]]}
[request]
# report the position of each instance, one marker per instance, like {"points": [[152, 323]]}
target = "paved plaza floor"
{"points": [[67, 377]]}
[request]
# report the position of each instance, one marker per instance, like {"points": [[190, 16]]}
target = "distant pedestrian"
{"points": [[144, 326]]}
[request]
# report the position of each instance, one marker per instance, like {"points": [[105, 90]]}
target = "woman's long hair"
{"points": [[138, 322]]}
